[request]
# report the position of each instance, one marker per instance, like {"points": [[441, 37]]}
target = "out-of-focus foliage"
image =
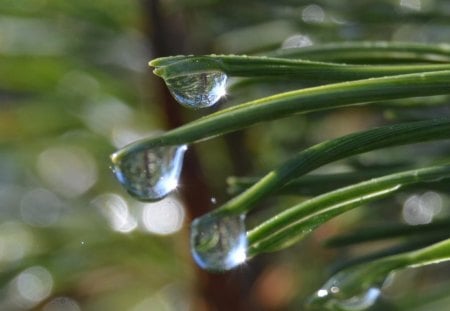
{"points": [[74, 86], [72, 89]]}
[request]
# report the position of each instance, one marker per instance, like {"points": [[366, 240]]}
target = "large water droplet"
{"points": [[219, 243], [335, 296], [151, 174], [198, 90]]}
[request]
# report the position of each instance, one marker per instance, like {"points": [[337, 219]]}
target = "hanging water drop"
{"points": [[359, 302], [336, 295], [198, 90], [362, 301], [219, 243], [149, 174]]}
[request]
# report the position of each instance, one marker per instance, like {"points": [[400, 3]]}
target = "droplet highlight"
{"points": [[219, 243], [198, 90], [151, 174], [334, 295]]}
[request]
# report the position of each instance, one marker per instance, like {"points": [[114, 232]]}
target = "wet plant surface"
{"points": [[284, 155]]}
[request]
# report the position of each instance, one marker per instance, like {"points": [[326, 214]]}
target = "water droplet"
{"points": [[313, 14], [360, 302], [414, 5], [198, 90], [336, 295], [150, 175], [219, 243], [297, 41]]}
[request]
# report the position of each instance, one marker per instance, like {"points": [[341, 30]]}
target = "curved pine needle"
{"points": [[298, 69], [292, 224], [356, 280], [310, 184], [370, 51], [383, 232], [301, 101], [333, 150], [409, 244]]}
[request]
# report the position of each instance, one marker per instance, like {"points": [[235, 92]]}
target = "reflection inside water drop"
{"points": [[151, 174], [198, 90], [219, 243], [335, 296], [361, 302], [330, 299]]}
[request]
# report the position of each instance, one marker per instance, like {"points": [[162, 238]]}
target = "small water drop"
{"points": [[361, 302], [297, 41], [335, 296], [198, 90], [219, 243], [150, 175]]}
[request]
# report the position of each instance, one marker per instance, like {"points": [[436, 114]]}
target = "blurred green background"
{"points": [[75, 86]]}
